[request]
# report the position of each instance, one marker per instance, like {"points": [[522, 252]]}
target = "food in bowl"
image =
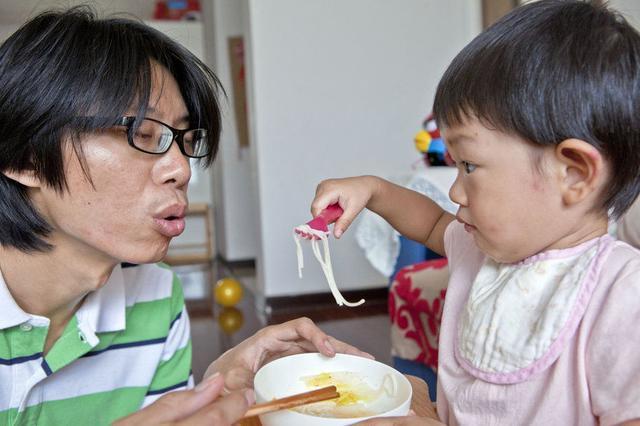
{"points": [[368, 389], [357, 397]]}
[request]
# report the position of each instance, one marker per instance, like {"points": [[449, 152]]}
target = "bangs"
{"points": [[124, 74]]}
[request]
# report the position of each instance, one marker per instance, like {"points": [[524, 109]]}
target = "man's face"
{"points": [[134, 203]]}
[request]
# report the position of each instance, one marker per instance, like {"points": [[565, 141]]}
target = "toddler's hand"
{"points": [[352, 194]]}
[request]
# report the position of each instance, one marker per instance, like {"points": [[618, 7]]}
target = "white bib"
{"points": [[518, 316]]}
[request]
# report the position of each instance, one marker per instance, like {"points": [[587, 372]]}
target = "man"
{"points": [[98, 120]]}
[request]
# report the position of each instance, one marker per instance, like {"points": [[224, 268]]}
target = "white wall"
{"points": [[629, 8], [6, 30], [233, 185], [339, 88]]}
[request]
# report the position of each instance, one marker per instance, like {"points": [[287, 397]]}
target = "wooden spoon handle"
{"points": [[297, 400]]}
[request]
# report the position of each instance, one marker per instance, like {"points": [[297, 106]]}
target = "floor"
{"points": [[216, 329]]}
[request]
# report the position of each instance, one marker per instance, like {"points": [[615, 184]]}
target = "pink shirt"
{"points": [[595, 378]]}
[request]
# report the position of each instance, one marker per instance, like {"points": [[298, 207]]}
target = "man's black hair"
{"points": [[64, 65]]}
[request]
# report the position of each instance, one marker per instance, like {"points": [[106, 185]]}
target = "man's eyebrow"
{"points": [[184, 119]]}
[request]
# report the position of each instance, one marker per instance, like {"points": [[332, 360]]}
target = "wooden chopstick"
{"points": [[316, 395]]}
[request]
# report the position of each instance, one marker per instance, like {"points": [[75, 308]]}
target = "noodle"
{"points": [[325, 262], [357, 398]]}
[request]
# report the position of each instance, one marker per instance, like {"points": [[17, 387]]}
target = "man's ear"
{"points": [[583, 170], [25, 177]]}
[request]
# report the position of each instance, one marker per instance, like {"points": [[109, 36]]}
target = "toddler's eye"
{"points": [[468, 167]]}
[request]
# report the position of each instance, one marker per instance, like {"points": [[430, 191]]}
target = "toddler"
{"points": [[541, 113]]}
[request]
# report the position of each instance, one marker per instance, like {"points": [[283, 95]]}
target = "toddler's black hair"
{"points": [[552, 70]]}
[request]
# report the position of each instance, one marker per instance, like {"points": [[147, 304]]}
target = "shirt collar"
{"points": [[102, 311], [10, 313]]}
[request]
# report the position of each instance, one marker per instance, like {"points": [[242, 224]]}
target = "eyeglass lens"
{"points": [[154, 137]]}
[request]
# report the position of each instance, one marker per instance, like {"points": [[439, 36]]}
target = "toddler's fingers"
{"points": [[343, 223], [321, 202]]}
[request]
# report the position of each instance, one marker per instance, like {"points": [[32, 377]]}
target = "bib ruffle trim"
{"points": [[587, 286]]}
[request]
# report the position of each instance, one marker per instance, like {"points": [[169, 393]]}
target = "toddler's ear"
{"points": [[583, 170], [25, 177]]}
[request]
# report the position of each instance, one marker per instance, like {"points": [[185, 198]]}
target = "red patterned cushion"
{"points": [[416, 298]]}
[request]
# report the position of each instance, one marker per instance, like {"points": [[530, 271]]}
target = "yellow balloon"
{"points": [[230, 319], [228, 292]]}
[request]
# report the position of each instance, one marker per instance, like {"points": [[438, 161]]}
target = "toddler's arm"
{"points": [[412, 214]]}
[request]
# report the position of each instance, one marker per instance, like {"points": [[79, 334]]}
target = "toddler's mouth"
{"points": [[467, 227]]}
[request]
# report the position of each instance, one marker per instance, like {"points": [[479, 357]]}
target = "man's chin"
{"points": [[146, 258]]}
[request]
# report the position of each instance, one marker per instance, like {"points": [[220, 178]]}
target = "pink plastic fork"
{"points": [[322, 221]]}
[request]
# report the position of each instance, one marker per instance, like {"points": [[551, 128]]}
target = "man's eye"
{"points": [[468, 167], [141, 135]]}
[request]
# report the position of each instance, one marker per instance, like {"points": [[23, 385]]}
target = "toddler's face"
{"points": [[508, 202]]}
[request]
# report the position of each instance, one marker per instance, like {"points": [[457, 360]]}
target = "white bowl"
{"points": [[282, 377]]}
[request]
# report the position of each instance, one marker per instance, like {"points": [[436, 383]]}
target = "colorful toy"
{"points": [[186, 10], [228, 292], [429, 142], [230, 319]]}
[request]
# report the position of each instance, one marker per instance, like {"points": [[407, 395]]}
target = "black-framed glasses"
{"points": [[155, 137]]}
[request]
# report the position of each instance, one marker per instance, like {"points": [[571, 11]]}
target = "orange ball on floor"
{"points": [[230, 319], [228, 292]]}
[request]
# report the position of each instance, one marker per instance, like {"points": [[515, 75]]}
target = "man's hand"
{"points": [[200, 406], [241, 363]]}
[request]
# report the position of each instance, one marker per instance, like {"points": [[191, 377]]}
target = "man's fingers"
{"points": [[178, 405], [345, 348], [277, 338], [306, 329], [322, 342], [225, 411], [238, 378], [182, 404], [308, 337]]}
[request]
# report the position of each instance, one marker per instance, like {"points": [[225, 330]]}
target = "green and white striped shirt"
{"points": [[128, 344]]}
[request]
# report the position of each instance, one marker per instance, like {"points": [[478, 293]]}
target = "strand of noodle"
{"points": [[325, 262], [389, 385], [299, 254]]}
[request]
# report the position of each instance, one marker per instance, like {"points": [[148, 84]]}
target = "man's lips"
{"points": [[170, 220], [169, 227]]}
